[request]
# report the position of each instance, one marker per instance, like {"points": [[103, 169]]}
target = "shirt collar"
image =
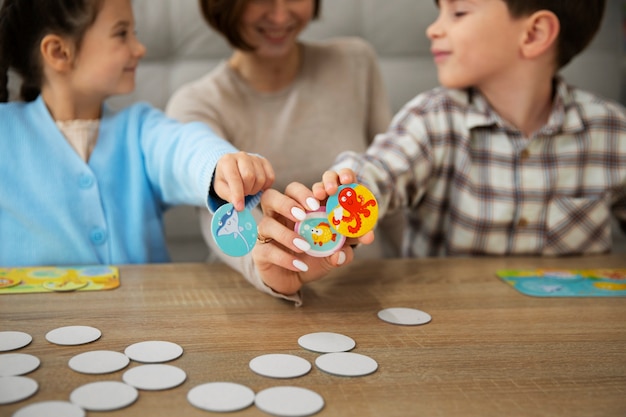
{"points": [[565, 116]]}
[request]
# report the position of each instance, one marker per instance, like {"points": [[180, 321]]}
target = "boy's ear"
{"points": [[542, 32], [56, 52]]}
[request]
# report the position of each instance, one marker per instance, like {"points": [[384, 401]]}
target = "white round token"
{"points": [[14, 340], [280, 365], [221, 397], [153, 351], [50, 409], [73, 335], [99, 362], [104, 396], [14, 364], [289, 401], [16, 388], [154, 377], [346, 364], [326, 342], [404, 316]]}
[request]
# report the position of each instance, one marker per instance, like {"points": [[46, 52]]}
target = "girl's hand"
{"points": [[240, 174]]}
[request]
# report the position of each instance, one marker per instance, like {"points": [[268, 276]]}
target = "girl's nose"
{"points": [[139, 48]]}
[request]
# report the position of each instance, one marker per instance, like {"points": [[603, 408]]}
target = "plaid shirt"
{"points": [[474, 185]]}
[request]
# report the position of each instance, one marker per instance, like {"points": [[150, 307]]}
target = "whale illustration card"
{"points": [[235, 232]]}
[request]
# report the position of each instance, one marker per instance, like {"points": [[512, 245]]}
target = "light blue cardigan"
{"points": [[57, 210]]}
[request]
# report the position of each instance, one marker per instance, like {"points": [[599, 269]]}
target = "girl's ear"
{"points": [[56, 52], [542, 32]]}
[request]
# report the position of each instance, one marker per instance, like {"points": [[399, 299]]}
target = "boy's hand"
{"points": [[240, 174], [331, 181]]}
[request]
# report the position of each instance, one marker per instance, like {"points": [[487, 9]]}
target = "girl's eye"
{"points": [[123, 34]]}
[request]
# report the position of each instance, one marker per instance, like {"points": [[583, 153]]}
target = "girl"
{"points": [[81, 184]]}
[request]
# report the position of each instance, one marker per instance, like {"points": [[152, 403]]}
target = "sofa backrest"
{"points": [[181, 47]]}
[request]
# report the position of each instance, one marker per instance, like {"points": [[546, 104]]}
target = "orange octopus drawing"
{"points": [[356, 206]]}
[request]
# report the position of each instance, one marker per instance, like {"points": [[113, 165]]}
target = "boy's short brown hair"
{"points": [[224, 17], [579, 20]]}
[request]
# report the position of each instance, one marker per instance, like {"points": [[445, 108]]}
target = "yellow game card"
{"points": [[58, 279]]}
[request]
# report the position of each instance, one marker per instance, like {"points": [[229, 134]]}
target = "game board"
{"points": [[567, 282], [55, 279]]}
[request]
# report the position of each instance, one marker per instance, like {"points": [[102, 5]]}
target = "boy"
{"points": [[505, 158]]}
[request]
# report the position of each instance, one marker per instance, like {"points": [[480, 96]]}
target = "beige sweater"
{"points": [[336, 103]]}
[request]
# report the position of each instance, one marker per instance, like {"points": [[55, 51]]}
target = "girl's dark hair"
{"points": [[224, 17], [23, 25]]}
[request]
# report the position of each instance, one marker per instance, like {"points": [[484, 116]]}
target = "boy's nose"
{"points": [[434, 30]]}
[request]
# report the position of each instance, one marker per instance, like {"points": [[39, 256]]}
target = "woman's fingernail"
{"points": [[298, 213], [342, 258], [300, 265], [301, 244], [312, 203]]}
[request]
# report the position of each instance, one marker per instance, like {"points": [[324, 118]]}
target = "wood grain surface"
{"points": [[488, 351]]}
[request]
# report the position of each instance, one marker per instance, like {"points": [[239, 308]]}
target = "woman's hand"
{"points": [[281, 261]]}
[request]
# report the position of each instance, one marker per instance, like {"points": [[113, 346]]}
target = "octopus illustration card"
{"points": [[58, 279], [567, 282], [316, 230], [353, 211]]}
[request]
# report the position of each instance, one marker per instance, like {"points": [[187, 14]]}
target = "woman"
{"points": [[299, 104]]}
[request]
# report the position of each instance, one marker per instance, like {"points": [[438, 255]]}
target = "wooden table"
{"points": [[489, 350]]}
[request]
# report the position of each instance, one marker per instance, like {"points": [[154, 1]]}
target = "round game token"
{"points": [[73, 335], [221, 397], [279, 365], [289, 401], [353, 211], [63, 286], [16, 388], [318, 232], [235, 232], [346, 364], [99, 362], [326, 342], [154, 377], [404, 316], [50, 409], [10, 340], [104, 396], [153, 351], [14, 364]]}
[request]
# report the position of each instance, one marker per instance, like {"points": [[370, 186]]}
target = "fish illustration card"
{"points": [[353, 211], [235, 232], [567, 282], [58, 279], [316, 230]]}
